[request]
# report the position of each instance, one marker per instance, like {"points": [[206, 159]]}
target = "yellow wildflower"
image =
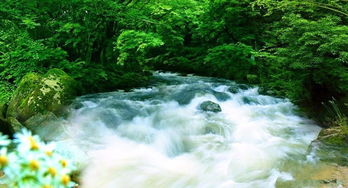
{"points": [[65, 180], [3, 160], [34, 165]]}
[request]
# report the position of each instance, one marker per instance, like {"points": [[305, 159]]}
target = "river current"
{"points": [[158, 137]]}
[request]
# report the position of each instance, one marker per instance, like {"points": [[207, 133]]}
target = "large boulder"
{"points": [[39, 94], [209, 106]]}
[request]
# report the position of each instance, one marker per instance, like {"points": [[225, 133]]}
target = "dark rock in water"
{"points": [[249, 100], [236, 88], [243, 86], [233, 89], [76, 105], [184, 96], [209, 106], [246, 100], [265, 91], [221, 96], [262, 91]]}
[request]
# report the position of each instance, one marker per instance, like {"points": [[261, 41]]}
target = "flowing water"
{"points": [[158, 137]]}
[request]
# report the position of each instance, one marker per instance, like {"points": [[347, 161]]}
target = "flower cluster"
{"points": [[32, 163]]}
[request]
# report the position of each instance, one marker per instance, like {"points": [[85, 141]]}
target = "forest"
{"points": [[294, 49]]}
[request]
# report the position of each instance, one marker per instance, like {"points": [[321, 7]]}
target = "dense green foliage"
{"points": [[296, 48]]}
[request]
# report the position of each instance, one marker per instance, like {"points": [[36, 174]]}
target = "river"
{"points": [[158, 137]]}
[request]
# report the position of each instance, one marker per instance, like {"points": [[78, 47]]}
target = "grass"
{"points": [[336, 115]]}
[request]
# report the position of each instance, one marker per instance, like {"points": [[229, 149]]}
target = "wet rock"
{"points": [[76, 105], [221, 96], [41, 94], [209, 106], [250, 100], [40, 119], [237, 88], [332, 145], [233, 89], [184, 96], [243, 86]]}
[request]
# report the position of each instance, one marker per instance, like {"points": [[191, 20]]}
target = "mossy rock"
{"points": [[15, 125], [337, 136], [36, 94]]}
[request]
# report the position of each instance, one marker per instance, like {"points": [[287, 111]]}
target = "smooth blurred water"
{"points": [[158, 137]]}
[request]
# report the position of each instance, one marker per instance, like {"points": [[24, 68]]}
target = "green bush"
{"points": [[233, 61]]}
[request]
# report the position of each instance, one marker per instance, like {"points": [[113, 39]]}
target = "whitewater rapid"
{"points": [[157, 137]]}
